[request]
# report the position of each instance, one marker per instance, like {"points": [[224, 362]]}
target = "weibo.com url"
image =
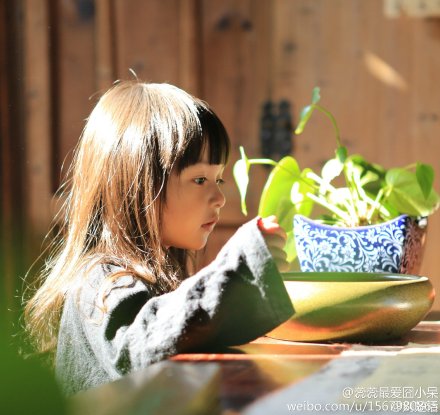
{"points": [[328, 407], [366, 406]]}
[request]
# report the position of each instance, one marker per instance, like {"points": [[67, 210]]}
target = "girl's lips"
{"points": [[209, 226]]}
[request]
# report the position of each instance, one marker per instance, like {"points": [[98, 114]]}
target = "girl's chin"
{"points": [[196, 246]]}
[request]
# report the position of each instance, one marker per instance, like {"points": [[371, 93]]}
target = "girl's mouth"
{"points": [[209, 226]]}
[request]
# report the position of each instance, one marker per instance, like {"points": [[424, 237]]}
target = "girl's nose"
{"points": [[218, 198]]}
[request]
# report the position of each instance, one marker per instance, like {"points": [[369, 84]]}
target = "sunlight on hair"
{"points": [[133, 136], [104, 123], [384, 72], [133, 73]]}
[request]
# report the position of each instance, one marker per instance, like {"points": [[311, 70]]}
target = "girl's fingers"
{"points": [[270, 226], [277, 253], [275, 240], [280, 259]]}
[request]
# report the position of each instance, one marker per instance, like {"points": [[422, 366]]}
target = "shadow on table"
{"points": [[164, 388]]}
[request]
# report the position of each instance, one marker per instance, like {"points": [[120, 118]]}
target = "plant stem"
{"points": [[378, 204], [333, 121], [263, 161], [348, 180], [346, 218], [328, 187], [375, 205]]}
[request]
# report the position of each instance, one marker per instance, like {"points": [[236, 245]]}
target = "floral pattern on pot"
{"points": [[393, 246]]}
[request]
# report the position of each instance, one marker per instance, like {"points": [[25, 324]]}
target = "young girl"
{"points": [[145, 190]]}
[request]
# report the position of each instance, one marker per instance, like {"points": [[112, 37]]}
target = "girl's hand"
{"points": [[275, 238]]}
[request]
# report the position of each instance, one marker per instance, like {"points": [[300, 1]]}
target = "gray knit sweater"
{"points": [[237, 298]]}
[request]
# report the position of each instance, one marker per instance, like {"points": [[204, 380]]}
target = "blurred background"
{"points": [[376, 61]]}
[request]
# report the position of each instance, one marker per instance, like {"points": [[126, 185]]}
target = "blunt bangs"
{"points": [[212, 135]]}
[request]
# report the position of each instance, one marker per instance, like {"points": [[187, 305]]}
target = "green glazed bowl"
{"points": [[354, 307]]}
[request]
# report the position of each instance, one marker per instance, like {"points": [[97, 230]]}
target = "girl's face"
{"points": [[192, 206]]}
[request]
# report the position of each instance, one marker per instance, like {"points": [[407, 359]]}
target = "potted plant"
{"points": [[370, 218]]}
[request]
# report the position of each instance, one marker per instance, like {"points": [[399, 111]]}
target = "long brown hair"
{"points": [[116, 187]]}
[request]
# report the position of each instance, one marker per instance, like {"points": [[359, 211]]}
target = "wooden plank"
{"points": [[38, 143], [309, 48], [78, 75], [14, 255], [190, 47], [147, 39], [104, 41]]}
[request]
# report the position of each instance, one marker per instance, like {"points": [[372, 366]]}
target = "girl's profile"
{"points": [[144, 192]]}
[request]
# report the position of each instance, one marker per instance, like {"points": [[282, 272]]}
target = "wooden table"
{"points": [[248, 378]]}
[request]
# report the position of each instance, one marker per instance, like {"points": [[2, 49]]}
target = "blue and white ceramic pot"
{"points": [[393, 246]]}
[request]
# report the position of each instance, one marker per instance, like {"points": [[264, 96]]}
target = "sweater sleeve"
{"points": [[235, 299]]}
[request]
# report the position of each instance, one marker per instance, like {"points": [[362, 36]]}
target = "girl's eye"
{"points": [[220, 181], [200, 180]]}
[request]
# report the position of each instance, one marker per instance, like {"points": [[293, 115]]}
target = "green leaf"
{"points": [[290, 247], [367, 167], [240, 172], [372, 175], [296, 196], [303, 205], [278, 186], [316, 96], [303, 118], [307, 111], [406, 195], [276, 195], [425, 178], [341, 154]]}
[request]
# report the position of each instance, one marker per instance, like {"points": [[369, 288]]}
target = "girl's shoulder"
{"points": [[102, 276], [102, 286]]}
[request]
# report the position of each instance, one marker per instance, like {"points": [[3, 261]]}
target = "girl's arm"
{"points": [[235, 299]]}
